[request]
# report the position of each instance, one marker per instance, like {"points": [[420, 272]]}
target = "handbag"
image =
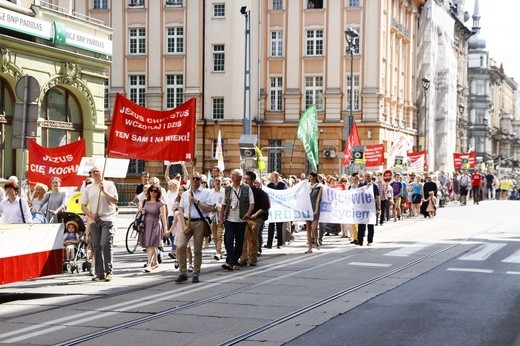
{"points": [[139, 223], [207, 227]]}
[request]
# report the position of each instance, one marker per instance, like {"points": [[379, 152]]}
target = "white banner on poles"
{"points": [[293, 204], [354, 206]]}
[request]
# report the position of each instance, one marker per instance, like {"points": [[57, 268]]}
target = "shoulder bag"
{"points": [[207, 227]]}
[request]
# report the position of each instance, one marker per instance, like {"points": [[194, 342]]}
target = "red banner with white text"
{"points": [[146, 134], [464, 160], [374, 155], [61, 162]]}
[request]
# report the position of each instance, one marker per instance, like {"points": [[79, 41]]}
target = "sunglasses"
{"points": [[195, 178], [153, 190]]}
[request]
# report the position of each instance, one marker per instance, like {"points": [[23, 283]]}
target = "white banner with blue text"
{"points": [[354, 206], [292, 204]]}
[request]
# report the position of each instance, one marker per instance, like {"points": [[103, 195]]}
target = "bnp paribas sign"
{"points": [[55, 32]]}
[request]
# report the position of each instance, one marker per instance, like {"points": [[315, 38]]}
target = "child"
{"points": [[432, 203], [70, 239], [178, 226]]}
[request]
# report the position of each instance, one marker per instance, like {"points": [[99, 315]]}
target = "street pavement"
{"points": [[420, 278]]}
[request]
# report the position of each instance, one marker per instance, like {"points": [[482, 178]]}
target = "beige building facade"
{"points": [[68, 56], [167, 51]]}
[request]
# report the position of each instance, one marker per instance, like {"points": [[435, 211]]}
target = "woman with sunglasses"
{"points": [[156, 215]]}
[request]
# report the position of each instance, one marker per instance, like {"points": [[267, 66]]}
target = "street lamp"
{"points": [[484, 155], [247, 71], [426, 85], [352, 38], [462, 126]]}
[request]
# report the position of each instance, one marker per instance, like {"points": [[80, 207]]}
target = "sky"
{"points": [[497, 18]]}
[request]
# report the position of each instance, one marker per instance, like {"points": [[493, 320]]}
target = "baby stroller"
{"points": [[80, 252]]}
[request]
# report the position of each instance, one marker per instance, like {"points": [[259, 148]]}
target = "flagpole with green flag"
{"points": [[307, 132]]}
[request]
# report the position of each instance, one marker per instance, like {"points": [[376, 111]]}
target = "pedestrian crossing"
{"points": [[479, 254]]}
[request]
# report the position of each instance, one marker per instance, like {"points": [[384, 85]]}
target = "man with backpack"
{"points": [[464, 181]]}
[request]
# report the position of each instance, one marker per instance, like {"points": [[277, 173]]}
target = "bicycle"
{"points": [[133, 235]]}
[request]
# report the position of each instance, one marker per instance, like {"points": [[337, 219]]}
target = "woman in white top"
{"points": [[14, 209]]}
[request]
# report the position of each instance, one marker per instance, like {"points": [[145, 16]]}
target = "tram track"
{"points": [[273, 323], [128, 306]]}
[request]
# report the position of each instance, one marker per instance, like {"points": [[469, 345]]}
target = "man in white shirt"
{"points": [[102, 197], [217, 231], [14, 209], [200, 197]]}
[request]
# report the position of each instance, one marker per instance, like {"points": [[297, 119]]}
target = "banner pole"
{"points": [[292, 153], [102, 178]]}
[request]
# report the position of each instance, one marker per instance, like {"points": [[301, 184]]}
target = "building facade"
{"points": [[171, 50], [492, 120], [67, 54]]}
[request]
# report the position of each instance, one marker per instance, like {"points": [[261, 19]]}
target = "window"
{"points": [[277, 4], [174, 90], [138, 41], [314, 92], [106, 97], [214, 147], [276, 93], [63, 119], [356, 93], [136, 3], [479, 87], [219, 10], [175, 40], [276, 43], [173, 2], [218, 108], [275, 155], [314, 42], [100, 4], [357, 41], [314, 4], [135, 167], [138, 89], [353, 3], [218, 58]]}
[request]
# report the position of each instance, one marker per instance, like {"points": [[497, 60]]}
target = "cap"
{"points": [[94, 168]]}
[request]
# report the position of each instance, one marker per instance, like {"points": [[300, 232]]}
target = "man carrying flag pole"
{"points": [[307, 132]]}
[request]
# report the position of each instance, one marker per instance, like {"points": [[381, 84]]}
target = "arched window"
{"points": [[63, 119], [6, 114]]}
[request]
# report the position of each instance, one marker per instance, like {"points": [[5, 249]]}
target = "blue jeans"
{"points": [[234, 240]]}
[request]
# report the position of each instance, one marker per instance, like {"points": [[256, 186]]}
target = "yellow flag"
{"points": [[260, 163]]}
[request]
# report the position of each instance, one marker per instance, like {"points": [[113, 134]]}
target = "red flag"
{"points": [[464, 160], [418, 155], [141, 133], [374, 155], [62, 162], [353, 139]]}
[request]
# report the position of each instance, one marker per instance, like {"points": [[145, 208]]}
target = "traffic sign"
{"points": [[387, 176], [33, 89]]}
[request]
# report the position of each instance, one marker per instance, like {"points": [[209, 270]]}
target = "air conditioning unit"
{"points": [[329, 154]]}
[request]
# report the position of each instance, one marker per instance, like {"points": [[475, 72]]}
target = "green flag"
{"points": [[308, 133]]}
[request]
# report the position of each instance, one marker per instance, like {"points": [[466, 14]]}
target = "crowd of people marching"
{"points": [[229, 212]]}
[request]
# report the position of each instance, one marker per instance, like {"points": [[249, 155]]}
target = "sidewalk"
{"points": [[125, 209]]}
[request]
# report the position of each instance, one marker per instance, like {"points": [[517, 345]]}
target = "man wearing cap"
{"points": [[101, 197]]}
